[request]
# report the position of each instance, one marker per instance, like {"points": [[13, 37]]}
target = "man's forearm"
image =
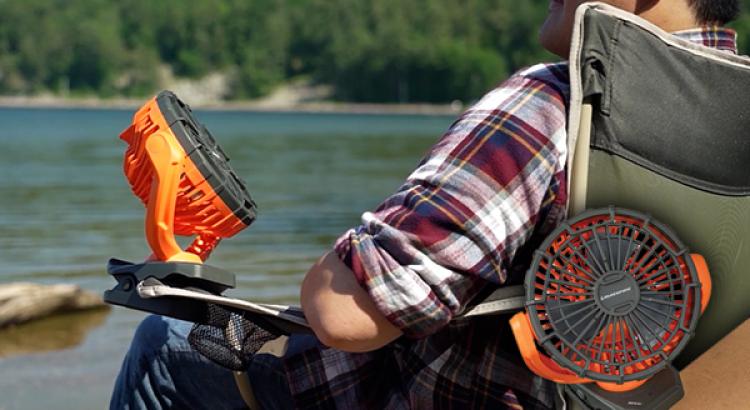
{"points": [[340, 312]]}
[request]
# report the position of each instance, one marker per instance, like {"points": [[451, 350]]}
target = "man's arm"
{"points": [[340, 311], [453, 227]]}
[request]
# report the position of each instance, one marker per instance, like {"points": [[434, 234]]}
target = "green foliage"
{"points": [[742, 25], [259, 42], [368, 50], [420, 50]]}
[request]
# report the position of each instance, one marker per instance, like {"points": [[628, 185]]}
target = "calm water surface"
{"points": [[65, 208]]}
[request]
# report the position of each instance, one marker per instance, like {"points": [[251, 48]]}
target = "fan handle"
{"points": [[704, 277], [542, 365], [168, 161]]}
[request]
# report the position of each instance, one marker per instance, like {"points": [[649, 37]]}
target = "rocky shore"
{"points": [[295, 97], [23, 302]]}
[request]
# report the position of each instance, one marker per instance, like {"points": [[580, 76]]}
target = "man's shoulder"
{"points": [[552, 73], [550, 78], [544, 81]]}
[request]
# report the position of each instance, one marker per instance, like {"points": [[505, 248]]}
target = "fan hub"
{"points": [[617, 293]]}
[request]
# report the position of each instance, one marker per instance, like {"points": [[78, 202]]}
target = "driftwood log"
{"points": [[23, 302]]}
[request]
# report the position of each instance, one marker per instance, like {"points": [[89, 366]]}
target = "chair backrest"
{"points": [[669, 136]]}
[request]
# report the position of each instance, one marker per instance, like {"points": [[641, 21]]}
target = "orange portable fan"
{"points": [[612, 296], [183, 178]]}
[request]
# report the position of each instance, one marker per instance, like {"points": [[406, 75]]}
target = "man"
{"points": [[465, 221]]}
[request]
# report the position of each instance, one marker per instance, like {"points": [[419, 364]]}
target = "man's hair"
{"points": [[715, 11]]}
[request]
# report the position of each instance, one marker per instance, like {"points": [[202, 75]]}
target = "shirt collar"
{"points": [[721, 38]]}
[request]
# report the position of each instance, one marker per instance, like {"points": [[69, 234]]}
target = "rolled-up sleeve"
{"points": [[456, 223]]}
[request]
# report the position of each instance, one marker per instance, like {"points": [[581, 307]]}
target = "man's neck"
{"points": [[670, 15]]}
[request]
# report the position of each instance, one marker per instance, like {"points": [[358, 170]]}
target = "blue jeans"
{"points": [[162, 371]]}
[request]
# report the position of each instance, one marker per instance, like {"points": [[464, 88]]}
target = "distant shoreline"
{"points": [[53, 102]]}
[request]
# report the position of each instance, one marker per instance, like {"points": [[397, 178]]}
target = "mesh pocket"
{"points": [[228, 338]]}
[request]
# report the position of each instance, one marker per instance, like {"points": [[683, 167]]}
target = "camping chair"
{"points": [[656, 125], [659, 124]]}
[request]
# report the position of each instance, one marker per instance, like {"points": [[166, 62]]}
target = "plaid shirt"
{"points": [[464, 222]]}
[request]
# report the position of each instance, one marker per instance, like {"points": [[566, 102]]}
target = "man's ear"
{"points": [[642, 6]]}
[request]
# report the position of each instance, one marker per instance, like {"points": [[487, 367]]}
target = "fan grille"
{"points": [[613, 295]]}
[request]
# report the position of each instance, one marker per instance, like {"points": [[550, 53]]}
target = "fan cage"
{"points": [[570, 320]]}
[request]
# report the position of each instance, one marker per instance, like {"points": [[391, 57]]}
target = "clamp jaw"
{"points": [[178, 274]]}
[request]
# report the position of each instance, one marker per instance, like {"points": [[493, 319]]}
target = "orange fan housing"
{"points": [[184, 180]]}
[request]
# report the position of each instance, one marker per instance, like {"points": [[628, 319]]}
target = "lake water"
{"points": [[65, 208]]}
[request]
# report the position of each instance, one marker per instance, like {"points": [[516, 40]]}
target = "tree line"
{"points": [[367, 50]]}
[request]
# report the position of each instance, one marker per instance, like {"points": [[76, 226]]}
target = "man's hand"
{"points": [[340, 312]]}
